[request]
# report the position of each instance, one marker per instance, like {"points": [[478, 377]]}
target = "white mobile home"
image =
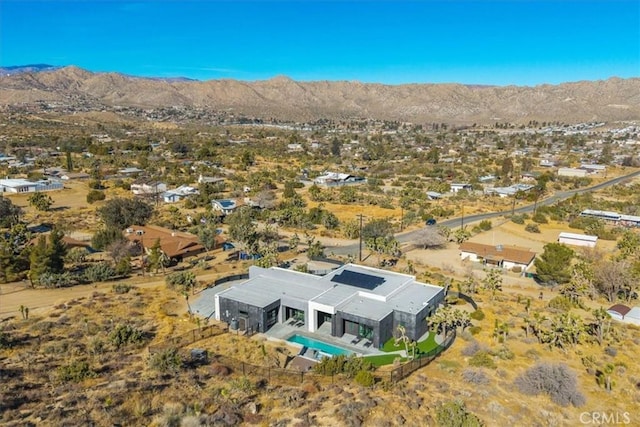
{"points": [[578, 239]]}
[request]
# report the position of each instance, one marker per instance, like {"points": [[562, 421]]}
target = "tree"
{"points": [[461, 235], [492, 282], [601, 324], [40, 201], [242, 230], [580, 284], [377, 228], [335, 147], [121, 213], [614, 278], [69, 161], [554, 264], [157, 259], [629, 244], [207, 236], [95, 196], [430, 237], [9, 213], [47, 256]]}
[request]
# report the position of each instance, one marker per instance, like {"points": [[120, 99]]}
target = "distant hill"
{"points": [[31, 68], [286, 99]]}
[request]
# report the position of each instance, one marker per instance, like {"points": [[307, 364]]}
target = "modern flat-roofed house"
{"points": [[454, 188], [177, 194], [148, 188], [176, 245], [362, 301], [334, 179], [575, 239], [503, 256], [224, 206], [21, 186]]}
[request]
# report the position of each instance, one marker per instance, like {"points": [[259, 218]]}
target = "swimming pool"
{"points": [[323, 347]]}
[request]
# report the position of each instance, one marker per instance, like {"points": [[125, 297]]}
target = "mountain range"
{"points": [[285, 99]]}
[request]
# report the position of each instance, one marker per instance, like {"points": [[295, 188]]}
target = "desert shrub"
{"points": [[125, 334], [540, 218], [474, 330], [182, 280], [95, 196], [485, 225], [364, 378], [475, 376], [58, 280], [220, 370], [166, 361], [611, 351], [349, 365], [75, 371], [560, 303], [472, 348], [555, 379], [477, 315], [482, 359], [99, 272], [518, 219], [5, 340], [516, 269], [532, 228], [504, 353], [76, 255], [122, 288], [455, 414]]}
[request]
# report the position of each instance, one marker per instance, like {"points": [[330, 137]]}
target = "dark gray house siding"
{"points": [[248, 316], [381, 328]]}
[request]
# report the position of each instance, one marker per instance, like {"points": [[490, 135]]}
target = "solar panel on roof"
{"points": [[360, 280]]}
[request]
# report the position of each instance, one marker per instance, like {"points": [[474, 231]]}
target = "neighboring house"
{"points": [[177, 194], [210, 180], [509, 191], [503, 256], [614, 217], [434, 195], [572, 172], [547, 163], [593, 168], [130, 171], [146, 188], [487, 178], [529, 176], [575, 239], [19, 186], [224, 206], [625, 314], [618, 311], [333, 179], [74, 175], [176, 245], [361, 301], [460, 186]]}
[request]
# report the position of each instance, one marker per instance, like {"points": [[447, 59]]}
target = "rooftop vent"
{"points": [[499, 248]]}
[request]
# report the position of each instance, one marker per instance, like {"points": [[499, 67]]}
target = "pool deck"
{"points": [[282, 332]]}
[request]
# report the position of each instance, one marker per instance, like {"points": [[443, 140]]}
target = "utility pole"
{"points": [[462, 218], [360, 235]]}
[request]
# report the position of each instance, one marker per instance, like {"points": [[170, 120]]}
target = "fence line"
{"points": [[464, 297], [189, 338], [403, 371], [283, 376]]}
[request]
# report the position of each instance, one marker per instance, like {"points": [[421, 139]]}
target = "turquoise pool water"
{"points": [[322, 347]]}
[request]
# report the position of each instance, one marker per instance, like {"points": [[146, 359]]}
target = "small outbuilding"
{"points": [[575, 239], [618, 311]]}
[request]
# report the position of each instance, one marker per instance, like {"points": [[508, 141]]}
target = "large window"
{"points": [[272, 317]]}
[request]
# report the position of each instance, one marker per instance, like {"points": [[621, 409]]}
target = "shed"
{"points": [[618, 311], [575, 239]]}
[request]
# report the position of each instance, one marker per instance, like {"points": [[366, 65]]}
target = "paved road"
{"points": [[352, 249]]}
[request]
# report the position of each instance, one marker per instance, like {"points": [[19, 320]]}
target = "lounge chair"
{"points": [[356, 340], [367, 344]]}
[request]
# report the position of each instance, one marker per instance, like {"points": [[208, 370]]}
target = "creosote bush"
{"points": [[455, 414], [475, 376], [555, 379]]}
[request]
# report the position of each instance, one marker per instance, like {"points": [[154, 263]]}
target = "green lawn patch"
{"points": [[383, 359], [423, 346]]}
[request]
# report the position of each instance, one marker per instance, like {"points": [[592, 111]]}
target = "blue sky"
{"points": [[474, 42]]}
